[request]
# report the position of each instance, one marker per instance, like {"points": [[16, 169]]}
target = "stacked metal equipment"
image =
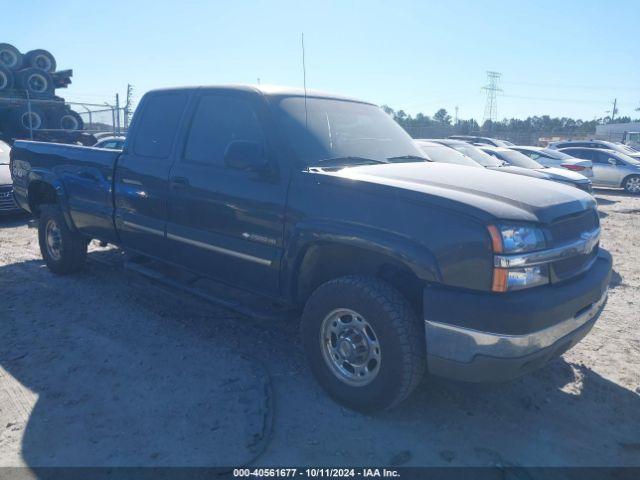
{"points": [[29, 107]]}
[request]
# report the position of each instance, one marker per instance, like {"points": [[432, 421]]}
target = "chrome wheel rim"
{"points": [[633, 185], [4, 81], [53, 240], [350, 347]]}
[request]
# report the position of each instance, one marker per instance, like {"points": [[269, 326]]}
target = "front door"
{"points": [[225, 222], [142, 173], [606, 171]]}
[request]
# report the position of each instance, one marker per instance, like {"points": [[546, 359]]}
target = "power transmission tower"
{"points": [[492, 89]]}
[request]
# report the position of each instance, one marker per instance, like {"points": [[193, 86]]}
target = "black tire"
{"points": [[631, 184], [10, 56], [398, 331], [68, 120], [6, 79], [71, 252], [37, 83], [40, 59], [22, 119]]}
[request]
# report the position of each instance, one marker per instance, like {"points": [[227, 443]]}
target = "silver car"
{"points": [[603, 144], [610, 168], [556, 158], [517, 159]]}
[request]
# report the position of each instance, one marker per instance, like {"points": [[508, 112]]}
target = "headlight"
{"points": [[516, 239], [513, 239]]}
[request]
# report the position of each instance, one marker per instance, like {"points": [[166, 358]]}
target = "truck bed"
{"points": [[81, 176]]}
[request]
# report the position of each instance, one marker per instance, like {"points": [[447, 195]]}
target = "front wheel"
{"points": [[363, 342], [63, 250], [632, 184]]}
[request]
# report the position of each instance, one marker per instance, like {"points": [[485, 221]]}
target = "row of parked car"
{"points": [[577, 163]]}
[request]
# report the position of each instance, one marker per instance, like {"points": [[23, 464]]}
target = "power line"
{"points": [[573, 86], [492, 89]]}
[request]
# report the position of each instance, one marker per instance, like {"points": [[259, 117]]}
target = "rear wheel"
{"points": [[363, 342], [63, 250], [632, 184]]}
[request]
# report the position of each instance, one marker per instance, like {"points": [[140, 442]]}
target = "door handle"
{"points": [[180, 182], [88, 176]]}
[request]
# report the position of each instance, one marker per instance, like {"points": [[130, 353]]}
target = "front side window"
{"points": [[217, 122], [159, 123]]}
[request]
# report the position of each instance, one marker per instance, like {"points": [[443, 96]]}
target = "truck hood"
{"points": [[483, 193]]}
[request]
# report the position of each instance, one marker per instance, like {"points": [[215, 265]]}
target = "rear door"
{"points": [[142, 173], [224, 222]]}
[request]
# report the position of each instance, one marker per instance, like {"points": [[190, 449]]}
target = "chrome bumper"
{"points": [[474, 355]]}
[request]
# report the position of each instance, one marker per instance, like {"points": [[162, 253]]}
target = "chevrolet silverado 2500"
{"points": [[323, 203]]}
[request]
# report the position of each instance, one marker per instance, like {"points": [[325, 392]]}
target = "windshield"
{"points": [[517, 159], [440, 153], [478, 155], [340, 129], [626, 149], [627, 158], [4, 153]]}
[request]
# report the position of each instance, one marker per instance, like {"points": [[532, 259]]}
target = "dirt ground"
{"points": [[105, 368]]}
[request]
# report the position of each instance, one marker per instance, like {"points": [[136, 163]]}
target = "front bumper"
{"points": [[7, 200], [500, 337]]}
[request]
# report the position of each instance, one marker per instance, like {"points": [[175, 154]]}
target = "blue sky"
{"points": [[563, 58]]}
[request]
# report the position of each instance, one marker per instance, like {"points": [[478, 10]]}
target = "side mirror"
{"points": [[612, 161], [244, 155]]}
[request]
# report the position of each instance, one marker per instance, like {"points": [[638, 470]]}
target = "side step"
{"points": [[217, 293]]}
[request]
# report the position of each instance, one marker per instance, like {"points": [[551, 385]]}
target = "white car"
{"points": [[554, 158]]}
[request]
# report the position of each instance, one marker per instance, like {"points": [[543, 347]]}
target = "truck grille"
{"points": [[568, 229], [7, 203]]}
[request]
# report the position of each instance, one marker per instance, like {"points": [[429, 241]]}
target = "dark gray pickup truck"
{"points": [[324, 204]]}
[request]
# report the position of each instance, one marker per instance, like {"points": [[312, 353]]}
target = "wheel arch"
{"points": [[320, 254]]}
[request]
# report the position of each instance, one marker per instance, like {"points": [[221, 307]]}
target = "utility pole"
{"points": [[455, 121], [615, 110], [492, 89], [128, 105]]}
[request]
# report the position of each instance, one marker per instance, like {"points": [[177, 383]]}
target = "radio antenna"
{"points": [[304, 82]]}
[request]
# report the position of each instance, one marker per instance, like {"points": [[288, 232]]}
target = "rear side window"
{"points": [[218, 121], [585, 154], [159, 124]]}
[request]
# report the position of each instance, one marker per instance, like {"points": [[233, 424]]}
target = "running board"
{"points": [[213, 292]]}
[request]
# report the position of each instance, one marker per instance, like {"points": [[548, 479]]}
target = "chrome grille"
{"points": [[569, 229]]}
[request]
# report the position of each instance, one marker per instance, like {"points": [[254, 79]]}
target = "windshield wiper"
{"points": [[414, 158], [348, 160]]}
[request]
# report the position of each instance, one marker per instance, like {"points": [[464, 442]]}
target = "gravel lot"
{"points": [[106, 368]]}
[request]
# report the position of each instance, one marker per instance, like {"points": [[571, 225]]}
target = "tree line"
{"points": [[442, 124]]}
